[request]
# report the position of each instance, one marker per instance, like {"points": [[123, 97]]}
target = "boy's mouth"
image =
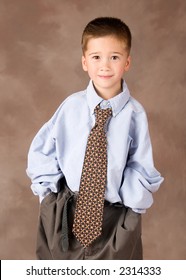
{"points": [[105, 76]]}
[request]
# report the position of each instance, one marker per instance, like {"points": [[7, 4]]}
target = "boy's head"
{"points": [[107, 26]]}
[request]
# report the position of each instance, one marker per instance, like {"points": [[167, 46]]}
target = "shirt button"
{"points": [[105, 104]]}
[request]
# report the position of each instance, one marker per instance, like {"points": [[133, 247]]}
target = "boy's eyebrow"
{"points": [[117, 53], [95, 53]]}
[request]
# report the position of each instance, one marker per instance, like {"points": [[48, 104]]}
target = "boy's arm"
{"points": [[43, 168], [141, 178]]}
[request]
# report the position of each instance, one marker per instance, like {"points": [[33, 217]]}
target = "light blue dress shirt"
{"points": [[58, 149]]}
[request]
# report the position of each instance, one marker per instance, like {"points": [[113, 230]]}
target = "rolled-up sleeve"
{"points": [[43, 168], [141, 178]]}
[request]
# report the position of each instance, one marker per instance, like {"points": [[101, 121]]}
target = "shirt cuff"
{"points": [[43, 189], [139, 211]]}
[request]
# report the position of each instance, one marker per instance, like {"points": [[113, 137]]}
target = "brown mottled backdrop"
{"points": [[40, 65]]}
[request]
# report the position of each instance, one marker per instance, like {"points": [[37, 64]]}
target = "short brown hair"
{"points": [[106, 26]]}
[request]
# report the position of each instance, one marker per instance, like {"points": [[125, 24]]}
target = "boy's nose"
{"points": [[105, 64]]}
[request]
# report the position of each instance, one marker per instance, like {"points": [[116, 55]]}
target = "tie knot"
{"points": [[102, 115]]}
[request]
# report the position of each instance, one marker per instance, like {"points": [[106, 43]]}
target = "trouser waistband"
{"points": [[71, 198]]}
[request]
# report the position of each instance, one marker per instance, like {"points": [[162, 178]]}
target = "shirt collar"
{"points": [[116, 103]]}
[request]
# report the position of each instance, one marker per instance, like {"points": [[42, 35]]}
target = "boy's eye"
{"points": [[96, 57], [114, 57]]}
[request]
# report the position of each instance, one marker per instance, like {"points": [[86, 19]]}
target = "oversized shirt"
{"points": [[58, 149]]}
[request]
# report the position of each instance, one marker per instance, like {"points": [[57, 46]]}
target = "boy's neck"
{"points": [[108, 94]]}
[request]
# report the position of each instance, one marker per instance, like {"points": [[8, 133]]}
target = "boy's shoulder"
{"points": [[135, 105], [70, 103], [75, 98]]}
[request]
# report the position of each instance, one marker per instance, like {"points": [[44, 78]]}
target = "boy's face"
{"points": [[106, 60]]}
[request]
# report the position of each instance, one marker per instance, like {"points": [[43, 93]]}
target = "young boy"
{"points": [[91, 164]]}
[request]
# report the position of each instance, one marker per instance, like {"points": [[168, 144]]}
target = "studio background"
{"points": [[40, 65]]}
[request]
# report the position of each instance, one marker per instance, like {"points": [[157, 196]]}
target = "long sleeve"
{"points": [[43, 168], [141, 179]]}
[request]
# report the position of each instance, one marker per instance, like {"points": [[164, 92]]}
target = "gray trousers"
{"points": [[120, 238]]}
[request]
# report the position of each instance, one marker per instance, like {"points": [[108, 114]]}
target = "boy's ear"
{"points": [[128, 63], [84, 64]]}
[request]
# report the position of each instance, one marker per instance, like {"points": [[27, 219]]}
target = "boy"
{"points": [[91, 164]]}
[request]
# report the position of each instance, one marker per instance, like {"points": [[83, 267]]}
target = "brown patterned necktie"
{"points": [[90, 203]]}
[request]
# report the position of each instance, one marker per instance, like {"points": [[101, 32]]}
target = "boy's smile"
{"points": [[106, 60]]}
